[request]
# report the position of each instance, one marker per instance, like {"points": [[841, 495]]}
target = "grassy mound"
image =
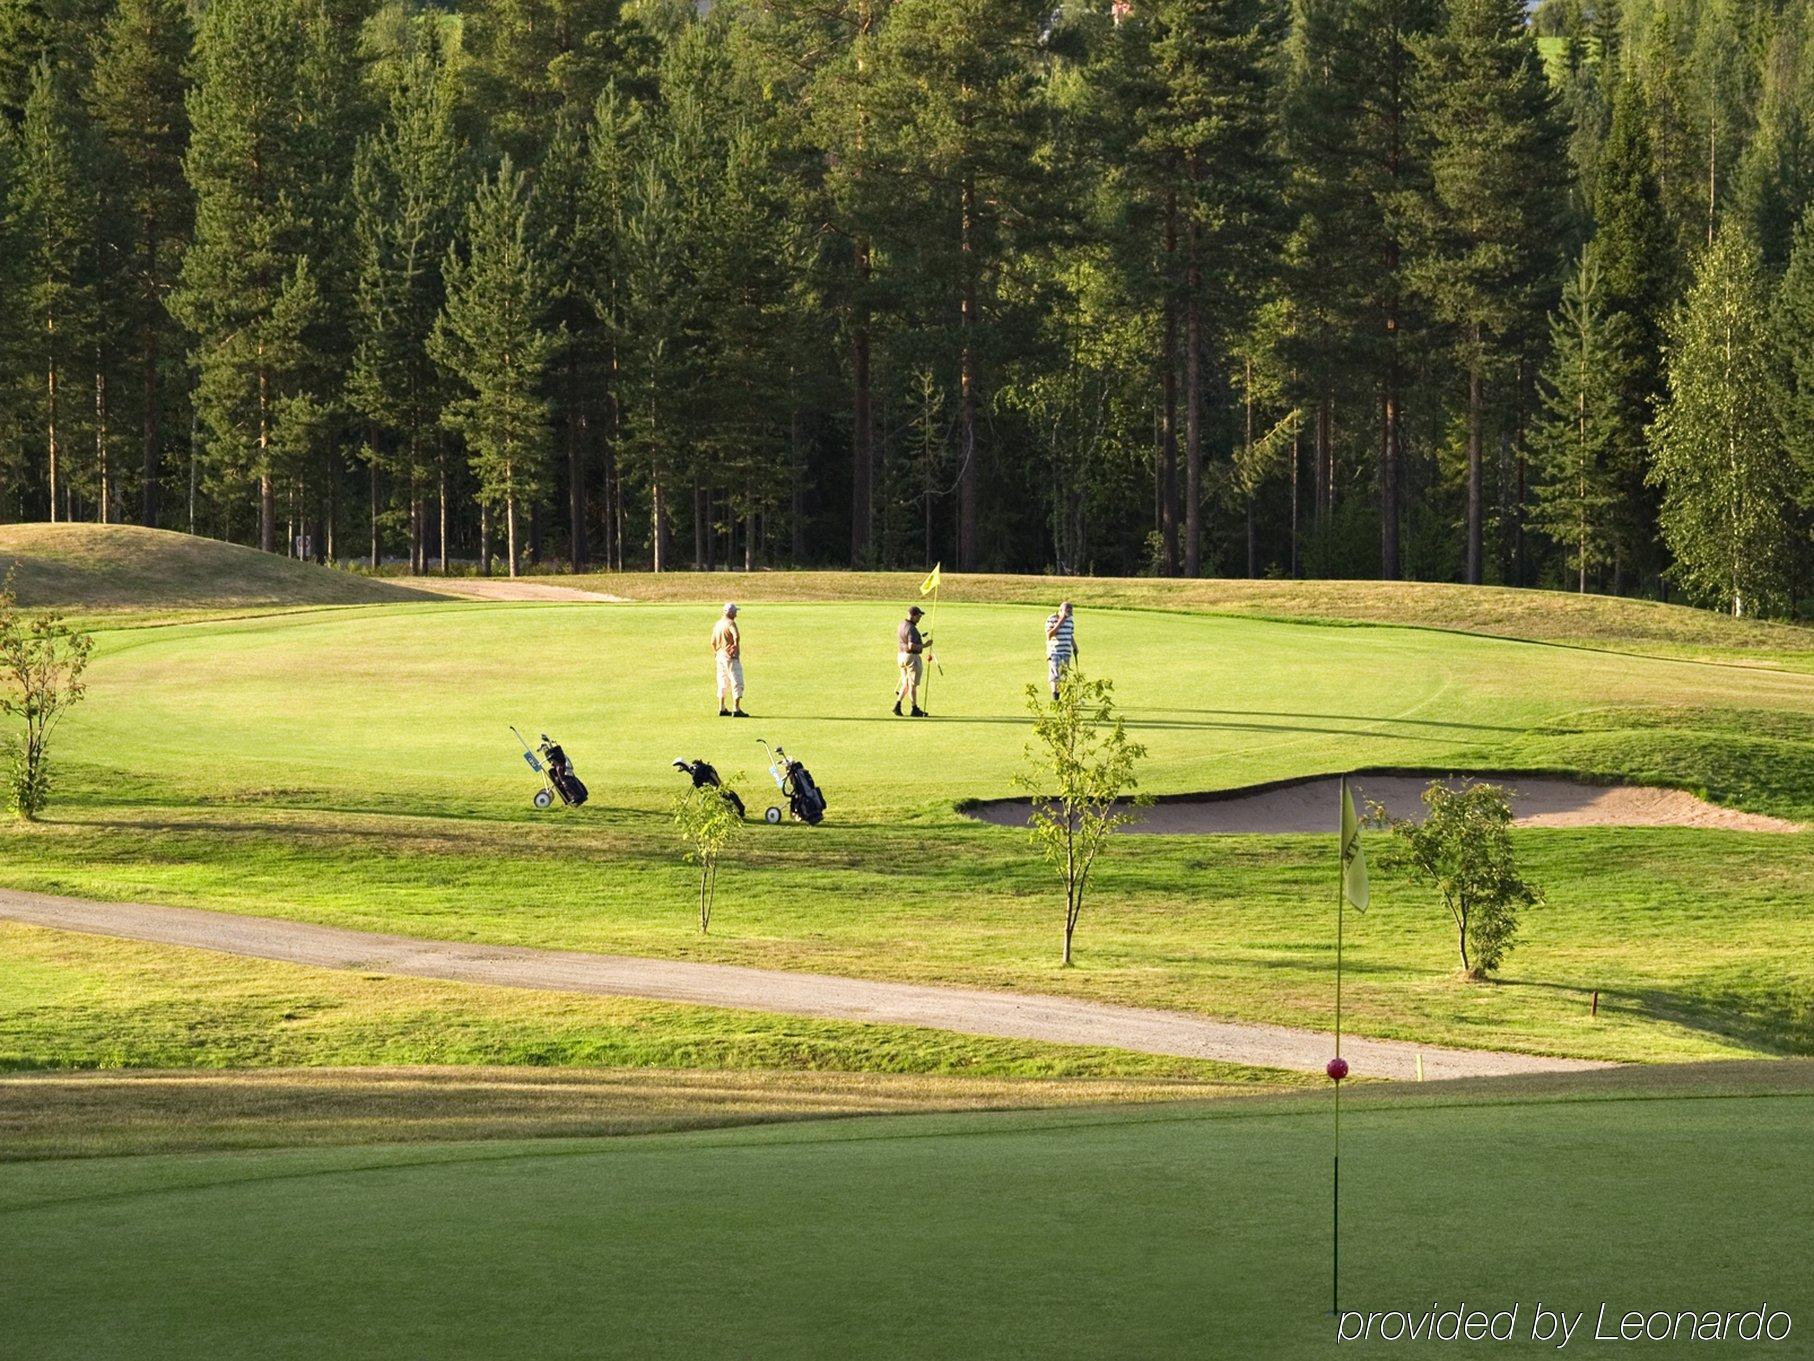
{"points": [[1167, 1231], [103, 568]]}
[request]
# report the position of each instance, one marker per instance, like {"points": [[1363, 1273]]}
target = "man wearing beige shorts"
{"points": [[910, 654], [727, 648]]}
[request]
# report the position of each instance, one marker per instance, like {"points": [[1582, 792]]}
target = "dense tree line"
{"points": [[1400, 288]]}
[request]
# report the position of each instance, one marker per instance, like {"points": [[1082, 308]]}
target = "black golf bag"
{"points": [[705, 777], [560, 774], [804, 799]]}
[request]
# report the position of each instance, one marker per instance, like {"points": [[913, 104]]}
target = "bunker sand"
{"points": [[971, 1011], [1310, 806]]}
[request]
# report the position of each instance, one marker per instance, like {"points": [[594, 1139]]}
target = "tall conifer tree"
{"points": [[491, 337]]}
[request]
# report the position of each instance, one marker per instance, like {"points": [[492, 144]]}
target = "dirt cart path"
{"points": [[970, 1011]]}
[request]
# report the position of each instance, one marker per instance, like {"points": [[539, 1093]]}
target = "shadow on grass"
{"points": [[1777, 1021], [1136, 723]]}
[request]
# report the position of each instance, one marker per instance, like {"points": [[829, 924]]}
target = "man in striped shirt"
{"points": [[1061, 644]]}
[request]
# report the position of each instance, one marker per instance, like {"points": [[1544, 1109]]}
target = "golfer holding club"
{"points": [[910, 655], [1061, 644], [727, 647]]}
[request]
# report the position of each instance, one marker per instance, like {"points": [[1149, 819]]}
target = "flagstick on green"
{"points": [[1351, 887], [931, 584]]}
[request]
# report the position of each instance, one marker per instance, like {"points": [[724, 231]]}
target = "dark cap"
{"points": [[915, 609]]}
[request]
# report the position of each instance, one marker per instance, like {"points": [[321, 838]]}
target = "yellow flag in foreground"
{"points": [[930, 584], [1354, 859]]}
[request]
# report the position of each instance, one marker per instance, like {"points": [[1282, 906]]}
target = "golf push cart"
{"points": [[558, 779], [797, 786], [704, 776]]}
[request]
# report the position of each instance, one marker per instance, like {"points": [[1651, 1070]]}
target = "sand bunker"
{"points": [[1310, 806]]}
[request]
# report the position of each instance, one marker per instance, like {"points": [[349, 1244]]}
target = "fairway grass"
{"points": [[1164, 1231], [356, 768]]}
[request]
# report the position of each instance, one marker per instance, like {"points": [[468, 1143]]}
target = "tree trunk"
{"points": [[377, 558], [103, 466], [50, 382], [1476, 473], [484, 538], [862, 459], [267, 490], [510, 534], [1193, 406], [153, 413], [796, 488], [701, 549], [578, 549], [1168, 404], [441, 510], [658, 523], [969, 481]]}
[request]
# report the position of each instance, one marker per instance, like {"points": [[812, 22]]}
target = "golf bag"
{"points": [[560, 774], [556, 772], [705, 777], [805, 801]]}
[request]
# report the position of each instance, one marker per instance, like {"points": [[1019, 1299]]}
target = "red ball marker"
{"points": [[1337, 1069]]}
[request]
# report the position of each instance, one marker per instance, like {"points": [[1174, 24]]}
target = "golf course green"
{"points": [[1170, 1231]]}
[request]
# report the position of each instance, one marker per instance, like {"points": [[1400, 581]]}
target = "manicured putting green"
{"points": [[1139, 1233], [407, 707]]}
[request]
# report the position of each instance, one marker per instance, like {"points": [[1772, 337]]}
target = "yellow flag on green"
{"points": [[930, 584], [1354, 859]]}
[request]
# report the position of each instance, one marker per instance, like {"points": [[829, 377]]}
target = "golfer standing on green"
{"points": [[727, 648], [910, 654], [1061, 644]]}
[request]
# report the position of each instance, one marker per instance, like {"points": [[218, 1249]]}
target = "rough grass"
{"points": [[1165, 1231], [120, 1114], [101, 569], [70, 1001]]}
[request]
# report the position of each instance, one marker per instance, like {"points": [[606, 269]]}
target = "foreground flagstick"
{"points": [[1353, 889], [930, 587]]}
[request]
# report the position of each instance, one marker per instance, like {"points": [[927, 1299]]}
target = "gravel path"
{"points": [[968, 1010]]}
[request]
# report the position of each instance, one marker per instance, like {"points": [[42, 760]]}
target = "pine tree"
{"points": [[576, 240], [956, 107], [1718, 454], [1358, 163], [1793, 338], [528, 61], [247, 295], [1578, 446], [1212, 126], [58, 208], [136, 95], [407, 185], [17, 428], [1486, 235], [491, 338]]}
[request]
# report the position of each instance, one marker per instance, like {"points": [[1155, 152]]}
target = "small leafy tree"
{"points": [[1464, 848], [707, 824], [41, 666], [1080, 766]]}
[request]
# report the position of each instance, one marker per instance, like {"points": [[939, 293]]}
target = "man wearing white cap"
{"points": [[727, 647]]}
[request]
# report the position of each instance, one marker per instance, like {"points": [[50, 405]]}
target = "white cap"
{"points": [[730, 607]]}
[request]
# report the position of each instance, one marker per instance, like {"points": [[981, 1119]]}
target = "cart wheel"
{"points": [[544, 797], [773, 815]]}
